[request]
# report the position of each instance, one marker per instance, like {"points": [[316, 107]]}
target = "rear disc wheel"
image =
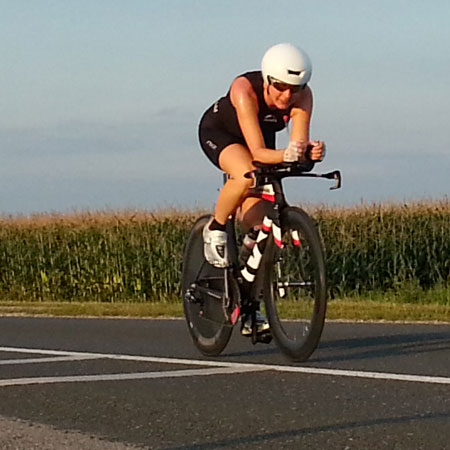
{"points": [[207, 312]]}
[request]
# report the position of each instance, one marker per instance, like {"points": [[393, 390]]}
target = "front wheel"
{"points": [[295, 291], [208, 313]]}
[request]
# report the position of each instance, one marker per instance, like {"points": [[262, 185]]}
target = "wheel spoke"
{"points": [[297, 284]]}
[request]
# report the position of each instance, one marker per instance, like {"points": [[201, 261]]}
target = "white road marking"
{"points": [[238, 368], [152, 359], [12, 362], [363, 374], [127, 376]]}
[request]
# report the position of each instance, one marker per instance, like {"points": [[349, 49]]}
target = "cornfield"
{"points": [[129, 256]]}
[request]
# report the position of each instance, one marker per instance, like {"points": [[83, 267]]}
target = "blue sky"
{"points": [[100, 99]]}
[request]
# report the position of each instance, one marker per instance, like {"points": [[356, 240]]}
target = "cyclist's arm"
{"points": [[244, 100], [301, 116]]}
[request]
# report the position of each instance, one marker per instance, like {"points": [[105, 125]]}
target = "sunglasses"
{"points": [[281, 86]]}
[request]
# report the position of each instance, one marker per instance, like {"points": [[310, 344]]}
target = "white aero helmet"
{"points": [[287, 64]]}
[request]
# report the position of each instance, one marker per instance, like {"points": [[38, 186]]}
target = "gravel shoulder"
{"points": [[20, 434]]}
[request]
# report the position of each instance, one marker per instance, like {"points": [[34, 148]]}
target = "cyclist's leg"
{"points": [[252, 213], [236, 161]]}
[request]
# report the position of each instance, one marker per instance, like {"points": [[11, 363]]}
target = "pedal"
{"points": [[190, 297]]}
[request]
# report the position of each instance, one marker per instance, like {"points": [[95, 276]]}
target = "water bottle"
{"points": [[248, 243]]}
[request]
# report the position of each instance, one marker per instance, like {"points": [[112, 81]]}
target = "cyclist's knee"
{"points": [[247, 182], [244, 182]]}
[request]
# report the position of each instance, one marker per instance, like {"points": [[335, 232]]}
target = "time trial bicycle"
{"points": [[285, 269]]}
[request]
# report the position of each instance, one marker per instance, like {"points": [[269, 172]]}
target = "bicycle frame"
{"points": [[215, 298], [269, 188]]}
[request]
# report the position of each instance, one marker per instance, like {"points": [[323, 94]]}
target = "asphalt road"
{"points": [[118, 384]]}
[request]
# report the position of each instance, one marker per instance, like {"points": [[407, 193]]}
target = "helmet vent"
{"points": [[294, 72]]}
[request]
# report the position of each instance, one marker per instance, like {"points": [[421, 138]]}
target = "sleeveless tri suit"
{"points": [[219, 126]]}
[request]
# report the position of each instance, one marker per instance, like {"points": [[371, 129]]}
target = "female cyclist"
{"points": [[240, 128]]}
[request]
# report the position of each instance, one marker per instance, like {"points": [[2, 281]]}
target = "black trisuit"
{"points": [[219, 126]]}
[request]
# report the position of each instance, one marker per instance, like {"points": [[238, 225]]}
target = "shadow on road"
{"points": [[255, 352], [363, 348], [264, 439], [383, 346]]}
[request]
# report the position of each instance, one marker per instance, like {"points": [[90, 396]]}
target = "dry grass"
{"points": [[86, 219]]}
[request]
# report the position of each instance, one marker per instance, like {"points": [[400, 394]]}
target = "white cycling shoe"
{"points": [[215, 246], [262, 325]]}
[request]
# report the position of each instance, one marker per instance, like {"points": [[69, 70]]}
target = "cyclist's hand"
{"points": [[317, 150], [295, 151]]}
